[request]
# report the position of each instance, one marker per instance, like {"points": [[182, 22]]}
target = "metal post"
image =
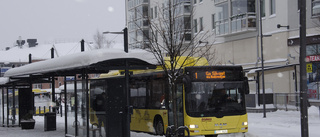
{"points": [[65, 106], [82, 45], [296, 85], [303, 71], [30, 58], [3, 105], [53, 96], [7, 107], [76, 104], [87, 100], [262, 63], [125, 39], [13, 111], [127, 124], [258, 88]]}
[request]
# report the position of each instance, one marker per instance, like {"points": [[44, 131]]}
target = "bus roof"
{"points": [[186, 61]]}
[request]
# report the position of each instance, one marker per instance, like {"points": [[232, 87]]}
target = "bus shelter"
{"points": [[81, 65]]}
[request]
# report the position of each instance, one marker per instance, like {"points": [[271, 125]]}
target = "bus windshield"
{"points": [[215, 99]]}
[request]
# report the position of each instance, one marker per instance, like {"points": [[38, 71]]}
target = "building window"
{"points": [[195, 24], [37, 86], [155, 12], [145, 11], [213, 21], [272, 7], [195, 2], [200, 1], [262, 9], [315, 7], [201, 24], [151, 13], [187, 9]]}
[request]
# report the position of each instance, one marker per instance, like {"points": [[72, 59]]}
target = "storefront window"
{"points": [[315, 7], [313, 49], [313, 80]]}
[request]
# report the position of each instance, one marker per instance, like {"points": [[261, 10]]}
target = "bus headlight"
{"points": [[193, 126], [245, 123]]}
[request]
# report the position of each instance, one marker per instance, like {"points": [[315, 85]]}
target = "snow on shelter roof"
{"points": [[95, 61]]}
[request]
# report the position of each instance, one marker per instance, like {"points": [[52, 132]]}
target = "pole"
{"points": [[125, 39], [303, 71], [82, 45], [30, 58], [127, 92], [53, 97], [262, 63]]}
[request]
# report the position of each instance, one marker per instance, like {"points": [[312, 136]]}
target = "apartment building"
{"points": [[236, 37]]}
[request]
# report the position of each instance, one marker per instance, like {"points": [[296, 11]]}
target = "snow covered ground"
{"points": [[276, 124]]}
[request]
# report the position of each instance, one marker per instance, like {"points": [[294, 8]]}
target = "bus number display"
{"points": [[209, 75]]}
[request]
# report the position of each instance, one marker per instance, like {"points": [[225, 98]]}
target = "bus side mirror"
{"points": [[246, 85]]}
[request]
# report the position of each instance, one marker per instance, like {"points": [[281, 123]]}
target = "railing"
{"points": [[238, 23], [287, 101]]}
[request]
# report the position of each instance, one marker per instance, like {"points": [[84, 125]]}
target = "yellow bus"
{"points": [[210, 100]]}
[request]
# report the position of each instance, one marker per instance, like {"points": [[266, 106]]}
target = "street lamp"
{"points": [[126, 71], [125, 37], [279, 26]]}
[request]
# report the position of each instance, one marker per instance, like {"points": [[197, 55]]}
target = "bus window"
{"points": [[138, 92], [157, 95], [215, 99]]}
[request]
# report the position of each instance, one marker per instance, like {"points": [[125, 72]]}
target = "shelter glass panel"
{"points": [[5, 106], [1, 105], [82, 113], [12, 108], [71, 122], [98, 107]]}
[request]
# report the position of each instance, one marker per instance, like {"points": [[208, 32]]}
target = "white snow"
{"points": [[43, 51], [276, 124], [4, 80], [80, 60]]}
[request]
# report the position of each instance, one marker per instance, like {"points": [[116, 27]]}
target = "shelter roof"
{"points": [[95, 61]]}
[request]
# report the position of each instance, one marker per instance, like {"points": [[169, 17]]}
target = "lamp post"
{"points": [[303, 71], [127, 92], [262, 61], [125, 37]]}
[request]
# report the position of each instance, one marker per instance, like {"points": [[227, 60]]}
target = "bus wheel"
{"points": [[211, 135], [159, 127]]}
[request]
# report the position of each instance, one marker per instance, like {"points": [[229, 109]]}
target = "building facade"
{"points": [[236, 39]]}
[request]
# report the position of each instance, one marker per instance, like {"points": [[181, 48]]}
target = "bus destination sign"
{"points": [[209, 75]]}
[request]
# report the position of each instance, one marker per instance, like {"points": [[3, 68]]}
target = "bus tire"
{"points": [[159, 127], [211, 135]]}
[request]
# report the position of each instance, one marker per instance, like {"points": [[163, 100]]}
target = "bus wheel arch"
{"points": [[158, 125]]}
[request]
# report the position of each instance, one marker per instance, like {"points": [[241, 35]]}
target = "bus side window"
{"points": [[138, 94], [157, 94]]}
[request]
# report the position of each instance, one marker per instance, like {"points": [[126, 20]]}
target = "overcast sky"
{"points": [[59, 20]]}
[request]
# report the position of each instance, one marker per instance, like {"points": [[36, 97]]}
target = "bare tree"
{"points": [[171, 40], [101, 41]]}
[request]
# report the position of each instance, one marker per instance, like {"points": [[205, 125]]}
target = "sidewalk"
{"points": [[38, 130]]}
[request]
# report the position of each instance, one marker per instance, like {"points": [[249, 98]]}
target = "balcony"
{"points": [[236, 24]]}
